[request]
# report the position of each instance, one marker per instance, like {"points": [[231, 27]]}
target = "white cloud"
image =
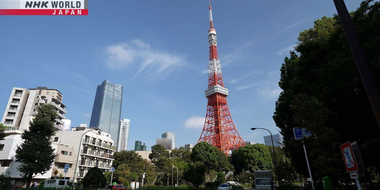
{"points": [[152, 62], [245, 76], [271, 92], [246, 86], [195, 122], [293, 25], [285, 50], [205, 71]]}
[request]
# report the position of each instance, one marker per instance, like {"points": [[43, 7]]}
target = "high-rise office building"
{"points": [[124, 134], [139, 146], [276, 140], [251, 142], [166, 142], [169, 135], [107, 109]]}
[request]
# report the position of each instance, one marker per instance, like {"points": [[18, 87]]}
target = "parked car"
{"points": [[224, 186], [232, 183], [117, 187]]}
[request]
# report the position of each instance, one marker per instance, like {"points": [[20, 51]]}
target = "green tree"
{"points": [[94, 179], [130, 158], [159, 156], [36, 154], [5, 182], [251, 158], [221, 178], [2, 129], [123, 173], [323, 92], [207, 154], [181, 154], [150, 173], [195, 174]]}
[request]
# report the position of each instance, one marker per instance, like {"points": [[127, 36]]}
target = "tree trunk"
{"points": [[29, 180]]}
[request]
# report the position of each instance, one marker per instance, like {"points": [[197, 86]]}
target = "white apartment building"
{"points": [[21, 109], [124, 134], [95, 149]]}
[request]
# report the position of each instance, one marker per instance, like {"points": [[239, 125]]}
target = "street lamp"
{"points": [[274, 154], [177, 173], [78, 155]]}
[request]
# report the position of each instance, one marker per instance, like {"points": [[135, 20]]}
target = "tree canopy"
{"points": [[2, 130], [251, 158], [323, 92], [35, 154], [130, 158], [94, 179]]}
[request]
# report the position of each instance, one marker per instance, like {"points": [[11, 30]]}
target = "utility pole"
{"points": [[361, 62]]}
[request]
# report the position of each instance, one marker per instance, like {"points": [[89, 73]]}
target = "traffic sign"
{"points": [[112, 169], [66, 168], [300, 133], [354, 175], [348, 157]]}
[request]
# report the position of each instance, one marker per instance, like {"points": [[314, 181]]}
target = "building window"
{"points": [[15, 101], [8, 122], [93, 140], [5, 163], [69, 153], [14, 108], [53, 93], [64, 152], [1, 147], [87, 139], [55, 139], [47, 93], [11, 114], [18, 93]]}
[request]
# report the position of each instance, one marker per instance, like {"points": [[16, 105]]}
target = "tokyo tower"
{"points": [[219, 129]]}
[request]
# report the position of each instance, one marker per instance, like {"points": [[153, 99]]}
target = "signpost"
{"points": [[299, 134], [112, 170], [350, 162], [66, 169]]}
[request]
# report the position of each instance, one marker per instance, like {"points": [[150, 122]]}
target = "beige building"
{"points": [[20, 110], [96, 149], [65, 155], [22, 107]]}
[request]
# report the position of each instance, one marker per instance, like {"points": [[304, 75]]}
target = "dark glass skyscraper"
{"points": [[107, 109]]}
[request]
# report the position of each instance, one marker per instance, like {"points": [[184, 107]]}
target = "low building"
{"points": [[96, 148], [276, 140], [189, 146]]}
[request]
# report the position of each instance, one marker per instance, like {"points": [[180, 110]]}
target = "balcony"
{"points": [[58, 107], [59, 121], [61, 116]]}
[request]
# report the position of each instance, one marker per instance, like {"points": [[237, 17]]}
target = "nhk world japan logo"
{"points": [[47, 7]]}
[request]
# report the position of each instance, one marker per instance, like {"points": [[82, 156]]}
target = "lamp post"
{"points": [[177, 173], [78, 155], [274, 154]]}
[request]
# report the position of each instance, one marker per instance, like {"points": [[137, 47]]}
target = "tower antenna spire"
{"points": [[210, 9]]}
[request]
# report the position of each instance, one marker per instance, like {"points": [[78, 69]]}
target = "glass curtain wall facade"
{"points": [[107, 109]]}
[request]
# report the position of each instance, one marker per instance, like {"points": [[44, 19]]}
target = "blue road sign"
{"points": [[112, 169], [300, 133], [66, 168], [297, 133]]}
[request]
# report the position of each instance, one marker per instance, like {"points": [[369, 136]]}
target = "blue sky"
{"points": [[158, 50]]}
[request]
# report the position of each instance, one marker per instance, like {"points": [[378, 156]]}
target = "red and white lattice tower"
{"points": [[219, 129]]}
